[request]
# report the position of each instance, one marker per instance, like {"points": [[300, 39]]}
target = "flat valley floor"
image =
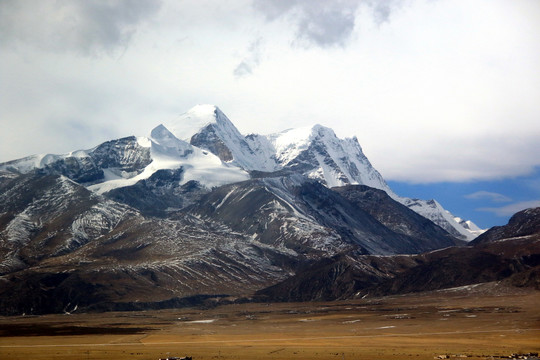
{"points": [[457, 323]]}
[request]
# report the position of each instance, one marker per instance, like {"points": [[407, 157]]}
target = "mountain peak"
{"points": [[192, 121], [165, 143], [322, 130], [202, 109]]}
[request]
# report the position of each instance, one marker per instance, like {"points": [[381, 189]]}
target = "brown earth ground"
{"points": [[461, 322]]}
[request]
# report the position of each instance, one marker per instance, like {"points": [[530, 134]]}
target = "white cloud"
{"points": [[511, 209], [487, 195], [251, 60]]}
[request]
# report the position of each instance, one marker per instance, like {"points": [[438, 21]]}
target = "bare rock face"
{"points": [[79, 169], [124, 154], [160, 194], [207, 139]]}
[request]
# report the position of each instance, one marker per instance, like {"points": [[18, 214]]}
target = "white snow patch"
{"points": [[207, 321], [143, 141]]}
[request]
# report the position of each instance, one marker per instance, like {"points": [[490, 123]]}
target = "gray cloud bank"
{"points": [[320, 22], [85, 27]]}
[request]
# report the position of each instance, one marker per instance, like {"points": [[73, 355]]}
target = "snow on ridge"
{"points": [[338, 161], [29, 163], [431, 209], [368, 174], [169, 152], [143, 141], [164, 144], [288, 144], [263, 151], [469, 226], [243, 155]]}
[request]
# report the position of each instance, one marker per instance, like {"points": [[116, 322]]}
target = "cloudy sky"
{"points": [[443, 95]]}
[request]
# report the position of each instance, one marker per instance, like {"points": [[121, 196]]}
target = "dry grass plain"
{"points": [[419, 326]]}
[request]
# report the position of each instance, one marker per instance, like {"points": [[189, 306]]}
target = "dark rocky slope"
{"points": [[523, 223], [516, 262], [398, 217]]}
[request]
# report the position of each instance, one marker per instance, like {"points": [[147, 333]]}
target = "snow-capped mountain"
{"points": [[321, 155], [122, 158], [206, 147], [124, 162], [313, 151], [196, 209], [207, 127]]}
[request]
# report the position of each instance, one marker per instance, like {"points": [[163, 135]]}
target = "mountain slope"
{"points": [[397, 217], [64, 246], [513, 262], [508, 255], [47, 215], [59, 240], [339, 277], [432, 210], [523, 223], [297, 211]]}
